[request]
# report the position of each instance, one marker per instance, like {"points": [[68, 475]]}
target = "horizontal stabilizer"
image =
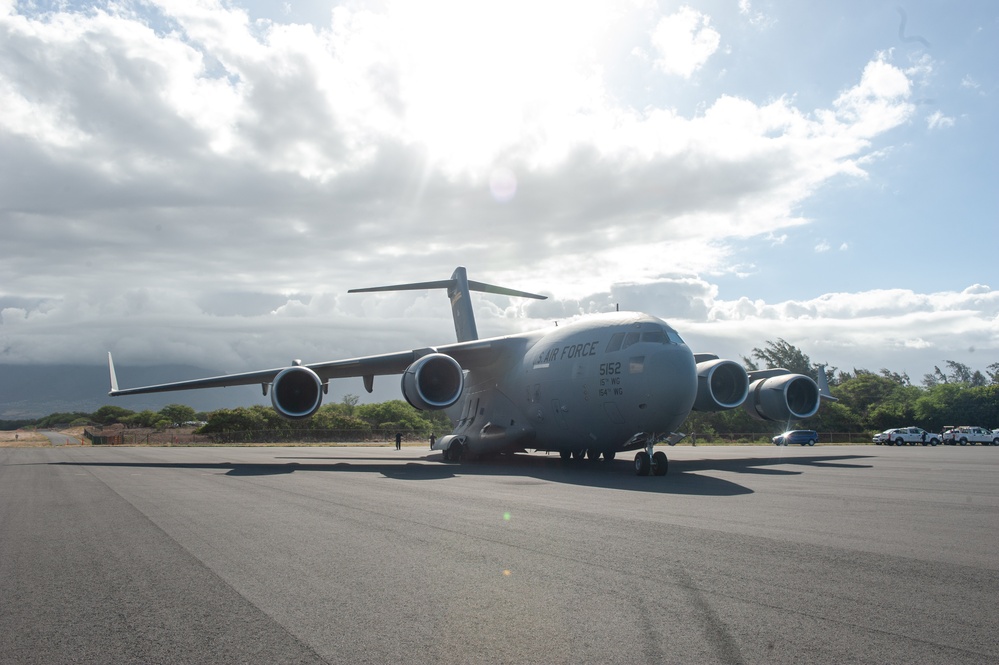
{"points": [[502, 290], [450, 283], [416, 286], [458, 288]]}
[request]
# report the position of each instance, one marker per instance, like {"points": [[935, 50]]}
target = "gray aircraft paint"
{"points": [[603, 384]]}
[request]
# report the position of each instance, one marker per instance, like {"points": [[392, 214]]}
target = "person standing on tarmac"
{"points": [[398, 440]]}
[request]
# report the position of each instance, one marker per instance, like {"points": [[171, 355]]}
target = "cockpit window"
{"points": [[663, 335], [655, 337]]}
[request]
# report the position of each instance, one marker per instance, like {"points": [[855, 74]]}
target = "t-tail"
{"points": [[458, 288], [823, 383]]}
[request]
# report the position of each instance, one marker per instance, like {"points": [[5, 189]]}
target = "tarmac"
{"points": [[831, 554]]}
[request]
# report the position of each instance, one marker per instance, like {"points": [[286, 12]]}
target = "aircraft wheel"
{"points": [[609, 455], [593, 455], [579, 454], [566, 455], [660, 465], [643, 463]]}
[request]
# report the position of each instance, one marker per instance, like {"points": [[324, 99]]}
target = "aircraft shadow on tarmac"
{"points": [[683, 477]]}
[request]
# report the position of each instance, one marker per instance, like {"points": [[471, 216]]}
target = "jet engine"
{"points": [[433, 382], [782, 397], [721, 385], [296, 392]]}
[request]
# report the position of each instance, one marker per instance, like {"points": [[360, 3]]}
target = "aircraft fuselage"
{"points": [[596, 385]]}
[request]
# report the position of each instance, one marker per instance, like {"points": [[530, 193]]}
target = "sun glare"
{"points": [[479, 77]]}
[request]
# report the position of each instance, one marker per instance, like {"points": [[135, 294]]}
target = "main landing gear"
{"points": [[647, 462], [455, 452]]}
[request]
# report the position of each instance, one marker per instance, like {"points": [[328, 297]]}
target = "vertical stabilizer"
{"points": [[823, 382], [461, 306], [458, 291]]}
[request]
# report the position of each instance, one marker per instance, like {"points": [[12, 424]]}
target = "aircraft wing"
{"points": [[470, 355]]}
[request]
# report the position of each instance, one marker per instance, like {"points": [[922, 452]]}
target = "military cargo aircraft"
{"points": [[595, 387]]}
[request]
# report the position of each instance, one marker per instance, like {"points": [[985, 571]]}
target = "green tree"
{"points": [[240, 419], [109, 415], [954, 404], [836, 417], [864, 392], [56, 419], [145, 418], [349, 402], [938, 406], [395, 414], [781, 354], [176, 414], [901, 379], [331, 417]]}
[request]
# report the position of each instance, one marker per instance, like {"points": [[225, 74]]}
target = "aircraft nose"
{"points": [[672, 376]]}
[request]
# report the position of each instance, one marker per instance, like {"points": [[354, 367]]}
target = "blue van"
{"points": [[806, 437]]}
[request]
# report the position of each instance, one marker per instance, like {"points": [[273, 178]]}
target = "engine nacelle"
{"points": [[721, 385], [433, 382], [296, 392], [783, 397]]}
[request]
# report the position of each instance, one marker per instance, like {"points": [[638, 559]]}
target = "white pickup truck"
{"points": [[962, 436], [911, 435]]}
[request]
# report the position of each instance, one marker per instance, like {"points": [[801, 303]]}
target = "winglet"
{"points": [[114, 379]]}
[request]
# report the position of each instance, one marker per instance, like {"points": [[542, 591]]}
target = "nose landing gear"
{"points": [[647, 462]]}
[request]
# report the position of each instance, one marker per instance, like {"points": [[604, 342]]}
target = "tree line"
{"points": [[872, 401], [868, 402], [347, 415]]}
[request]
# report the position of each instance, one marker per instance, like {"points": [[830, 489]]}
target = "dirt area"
{"points": [[22, 438]]}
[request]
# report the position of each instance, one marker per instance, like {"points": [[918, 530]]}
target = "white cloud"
{"points": [[756, 18], [157, 171], [937, 120], [897, 328], [969, 82], [684, 41], [878, 102]]}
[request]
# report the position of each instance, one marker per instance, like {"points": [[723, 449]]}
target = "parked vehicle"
{"points": [[901, 436], [806, 437], [962, 436], [881, 438]]}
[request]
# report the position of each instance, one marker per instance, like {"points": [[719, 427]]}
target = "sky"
{"points": [[201, 182]]}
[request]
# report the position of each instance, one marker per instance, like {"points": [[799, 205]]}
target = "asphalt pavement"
{"points": [[830, 554]]}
